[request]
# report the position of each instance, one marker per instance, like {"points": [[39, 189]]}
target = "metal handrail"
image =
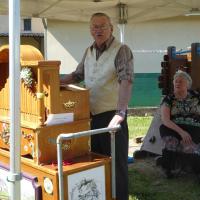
{"points": [[68, 136]]}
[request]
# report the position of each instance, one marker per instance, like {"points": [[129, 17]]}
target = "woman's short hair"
{"points": [[185, 75]]}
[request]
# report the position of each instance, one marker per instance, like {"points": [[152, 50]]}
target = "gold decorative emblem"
{"points": [[66, 146], [69, 104]]}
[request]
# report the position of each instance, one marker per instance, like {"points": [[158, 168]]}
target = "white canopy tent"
{"points": [[81, 10], [134, 11]]}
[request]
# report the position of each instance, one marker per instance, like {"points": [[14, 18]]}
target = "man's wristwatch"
{"points": [[121, 113]]}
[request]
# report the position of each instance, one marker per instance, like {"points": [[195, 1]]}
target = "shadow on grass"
{"points": [[148, 182]]}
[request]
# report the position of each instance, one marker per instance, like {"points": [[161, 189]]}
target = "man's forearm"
{"points": [[67, 79], [124, 95]]}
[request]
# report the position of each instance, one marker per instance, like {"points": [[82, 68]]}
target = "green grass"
{"points": [[144, 186], [138, 126]]}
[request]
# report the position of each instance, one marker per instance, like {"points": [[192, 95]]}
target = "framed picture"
{"points": [[30, 190], [87, 185]]}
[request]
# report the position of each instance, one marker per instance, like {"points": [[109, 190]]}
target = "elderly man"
{"points": [[107, 70]]}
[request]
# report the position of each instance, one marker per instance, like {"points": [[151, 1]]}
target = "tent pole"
{"points": [[14, 176], [122, 32], [123, 18], [44, 22]]}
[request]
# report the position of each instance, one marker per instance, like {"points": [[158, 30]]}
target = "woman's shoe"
{"points": [[159, 161]]}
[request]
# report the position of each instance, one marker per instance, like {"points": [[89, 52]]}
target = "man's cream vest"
{"points": [[101, 79]]}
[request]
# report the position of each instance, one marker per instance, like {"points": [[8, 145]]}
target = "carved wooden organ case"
{"points": [[41, 95]]}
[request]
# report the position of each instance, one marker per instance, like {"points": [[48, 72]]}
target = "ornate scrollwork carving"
{"points": [[5, 134]]}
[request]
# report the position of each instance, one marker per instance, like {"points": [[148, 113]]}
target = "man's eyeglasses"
{"points": [[101, 28]]}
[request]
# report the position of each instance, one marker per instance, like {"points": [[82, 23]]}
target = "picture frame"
{"points": [[87, 185], [30, 189]]}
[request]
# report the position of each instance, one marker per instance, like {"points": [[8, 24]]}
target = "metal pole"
{"points": [[123, 18], [60, 168], [69, 136], [112, 135], [122, 32], [14, 176], [44, 21]]}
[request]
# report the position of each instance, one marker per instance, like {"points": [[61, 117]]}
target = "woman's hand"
{"points": [[165, 116], [186, 138]]}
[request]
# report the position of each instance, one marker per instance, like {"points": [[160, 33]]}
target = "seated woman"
{"points": [[180, 129]]}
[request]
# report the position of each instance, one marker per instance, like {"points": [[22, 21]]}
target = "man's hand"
{"points": [[116, 120]]}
